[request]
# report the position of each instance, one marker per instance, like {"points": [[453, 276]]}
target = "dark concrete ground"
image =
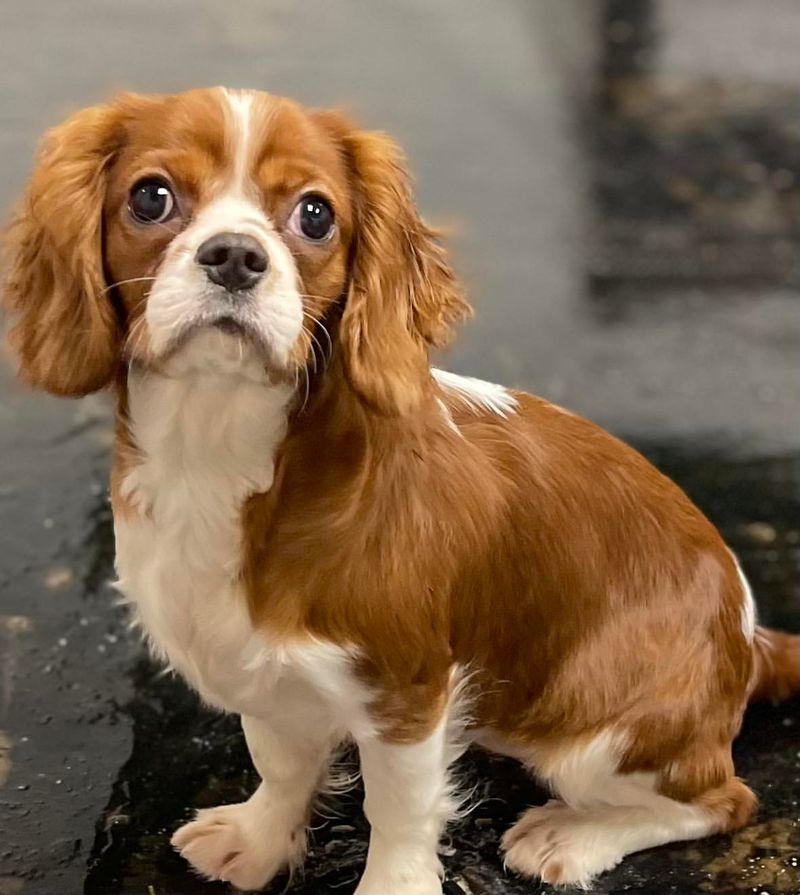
{"points": [[624, 178]]}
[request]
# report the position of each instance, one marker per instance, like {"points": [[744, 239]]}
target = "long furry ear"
{"points": [[403, 296], [65, 331]]}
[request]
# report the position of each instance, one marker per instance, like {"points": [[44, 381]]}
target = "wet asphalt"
{"points": [[623, 182]]}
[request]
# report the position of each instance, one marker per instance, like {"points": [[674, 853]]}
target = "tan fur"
{"points": [[66, 337], [777, 658], [403, 296], [580, 586]]}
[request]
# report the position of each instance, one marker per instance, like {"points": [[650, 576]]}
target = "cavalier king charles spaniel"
{"points": [[324, 534]]}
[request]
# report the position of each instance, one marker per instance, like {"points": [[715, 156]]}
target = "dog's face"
{"points": [[230, 210], [153, 218]]}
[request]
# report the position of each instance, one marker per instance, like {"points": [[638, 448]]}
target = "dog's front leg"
{"points": [[248, 843], [407, 803]]}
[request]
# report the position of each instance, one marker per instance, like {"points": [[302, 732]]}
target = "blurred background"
{"points": [[622, 178]]}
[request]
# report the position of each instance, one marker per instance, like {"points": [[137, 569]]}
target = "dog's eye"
{"points": [[312, 218], [151, 201]]}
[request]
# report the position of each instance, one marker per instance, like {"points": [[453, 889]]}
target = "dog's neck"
{"points": [[214, 412], [212, 415]]}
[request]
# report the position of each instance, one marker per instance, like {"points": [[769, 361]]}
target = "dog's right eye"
{"points": [[151, 201]]}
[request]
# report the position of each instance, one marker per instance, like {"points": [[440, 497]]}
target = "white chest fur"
{"points": [[207, 431]]}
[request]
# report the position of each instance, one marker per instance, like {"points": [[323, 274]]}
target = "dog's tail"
{"points": [[777, 664]]}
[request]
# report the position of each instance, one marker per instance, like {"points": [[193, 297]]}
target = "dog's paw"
{"points": [[400, 865], [561, 846], [237, 844], [424, 884]]}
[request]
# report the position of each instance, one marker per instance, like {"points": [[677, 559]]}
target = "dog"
{"points": [[324, 534]]}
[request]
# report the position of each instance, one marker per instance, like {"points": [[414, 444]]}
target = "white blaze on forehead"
{"points": [[232, 213], [238, 109], [239, 104]]}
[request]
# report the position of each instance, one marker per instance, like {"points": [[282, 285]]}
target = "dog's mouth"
{"points": [[237, 322], [231, 326], [241, 328], [236, 330]]}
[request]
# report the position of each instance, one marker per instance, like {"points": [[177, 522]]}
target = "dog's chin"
{"points": [[224, 344]]}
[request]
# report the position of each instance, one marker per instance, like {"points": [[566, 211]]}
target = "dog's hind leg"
{"points": [[603, 814]]}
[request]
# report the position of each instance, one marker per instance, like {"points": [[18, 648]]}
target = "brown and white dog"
{"points": [[328, 537]]}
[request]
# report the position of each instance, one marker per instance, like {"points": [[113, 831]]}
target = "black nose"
{"points": [[233, 260]]}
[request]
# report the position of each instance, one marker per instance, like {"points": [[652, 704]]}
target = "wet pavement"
{"points": [[624, 180]]}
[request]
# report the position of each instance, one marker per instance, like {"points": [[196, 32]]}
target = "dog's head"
{"points": [[154, 218]]}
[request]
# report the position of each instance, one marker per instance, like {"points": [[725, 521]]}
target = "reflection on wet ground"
{"points": [[682, 335]]}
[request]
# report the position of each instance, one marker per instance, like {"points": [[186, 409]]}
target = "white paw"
{"points": [[237, 844], [425, 884], [396, 866], [560, 845]]}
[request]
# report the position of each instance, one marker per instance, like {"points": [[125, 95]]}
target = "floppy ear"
{"points": [[403, 296], [65, 331]]}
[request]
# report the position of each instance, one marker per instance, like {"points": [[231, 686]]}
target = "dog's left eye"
{"points": [[312, 218], [151, 201]]}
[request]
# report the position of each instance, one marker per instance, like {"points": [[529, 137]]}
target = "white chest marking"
{"points": [[207, 432]]}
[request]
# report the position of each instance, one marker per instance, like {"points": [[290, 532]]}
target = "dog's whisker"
{"points": [[311, 341], [316, 322], [307, 389], [125, 282], [328, 337]]}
